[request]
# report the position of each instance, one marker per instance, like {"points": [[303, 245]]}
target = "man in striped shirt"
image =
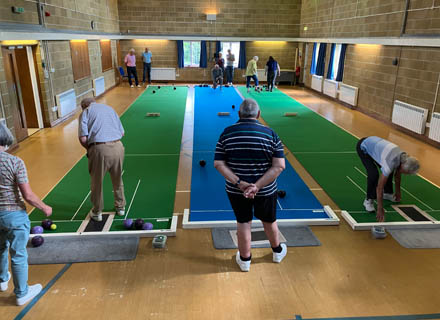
{"points": [[250, 156]]}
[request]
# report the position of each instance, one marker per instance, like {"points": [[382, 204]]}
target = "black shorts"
{"points": [[263, 208]]}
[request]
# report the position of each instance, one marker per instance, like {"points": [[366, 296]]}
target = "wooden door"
{"points": [[14, 92], [27, 90]]}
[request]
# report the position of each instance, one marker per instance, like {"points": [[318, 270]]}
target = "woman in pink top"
{"points": [[130, 62]]}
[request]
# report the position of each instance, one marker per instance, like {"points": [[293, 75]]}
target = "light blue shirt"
{"points": [[146, 57], [100, 123], [385, 153]]}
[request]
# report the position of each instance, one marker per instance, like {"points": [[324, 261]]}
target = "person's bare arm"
{"points": [[227, 173], [83, 141], [278, 165], [380, 214], [33, 200]]}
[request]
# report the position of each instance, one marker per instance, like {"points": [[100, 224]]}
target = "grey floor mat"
{"points": [[83, 249], [301, 236], [417, 238]]}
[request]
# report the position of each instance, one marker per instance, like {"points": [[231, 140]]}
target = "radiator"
{"points": [[66, 102], [408, 116], [99, 86], [434, 128], [348, 94], [163, 73], [261, 76], [317, 83], [331, 88]]}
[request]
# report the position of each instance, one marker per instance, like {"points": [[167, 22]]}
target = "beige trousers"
{"points": [[105, 158]]}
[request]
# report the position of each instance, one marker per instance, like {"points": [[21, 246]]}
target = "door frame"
{"points": [[35, 87]]}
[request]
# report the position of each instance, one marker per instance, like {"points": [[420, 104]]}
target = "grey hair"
{"points": [[6, 137], [249, 109], [255, 58], [131, 50], [409, 164], [85, 103]]}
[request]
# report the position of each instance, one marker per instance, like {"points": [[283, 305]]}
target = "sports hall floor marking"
{"points": [[82, 203], [42, 293], [279, 204], [132, 198]]}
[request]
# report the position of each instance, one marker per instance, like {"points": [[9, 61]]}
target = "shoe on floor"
{"points": [[369, 205], [96, 216], [389, 197], [120, 212], [32, 292], [244, 265], [4, 285], [131, 86], [138, 85], [278, 257]]}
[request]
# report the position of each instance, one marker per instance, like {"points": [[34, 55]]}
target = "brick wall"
{"points": [[72, 15], [370, 68], [277, 18], [423, 17], [351, 18], [165, 56]]}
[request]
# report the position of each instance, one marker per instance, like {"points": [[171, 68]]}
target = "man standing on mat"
{"points": [[146, 57], [217, 76], [375, 153], [100, 133], [130, 62], [250, 156]]}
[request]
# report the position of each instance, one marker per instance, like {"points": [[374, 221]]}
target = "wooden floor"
{"points": [[349, 275]]}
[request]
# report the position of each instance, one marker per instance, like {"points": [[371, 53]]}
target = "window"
{"points": [[106, 55], [336, 57], [315, 58], [191, 53], [235, 49], [79, 51]]}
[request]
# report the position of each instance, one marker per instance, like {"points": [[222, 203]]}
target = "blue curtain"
{"points": [[320, 65], [313, 65], [242, 59], [203, 55], [340, 74], [330, 63], [180, 54], [218, 46]]}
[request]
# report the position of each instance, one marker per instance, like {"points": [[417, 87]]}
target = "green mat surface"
{"points": [[152, 147], [328, 153]]}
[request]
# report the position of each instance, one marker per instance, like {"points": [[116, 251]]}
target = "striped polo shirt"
{"points": [[12, 173], [385, 153], [248, 147]]}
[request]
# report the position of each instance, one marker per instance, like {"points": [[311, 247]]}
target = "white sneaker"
{"points": [[389, 197], [369, 205], [278, 257], [131, 86], [120, 212], [244, 265], [96, 216], [4, 285], [32, 292], [138, 85]]}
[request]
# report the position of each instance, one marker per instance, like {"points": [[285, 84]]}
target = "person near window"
{"points": [[230, 59]]}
